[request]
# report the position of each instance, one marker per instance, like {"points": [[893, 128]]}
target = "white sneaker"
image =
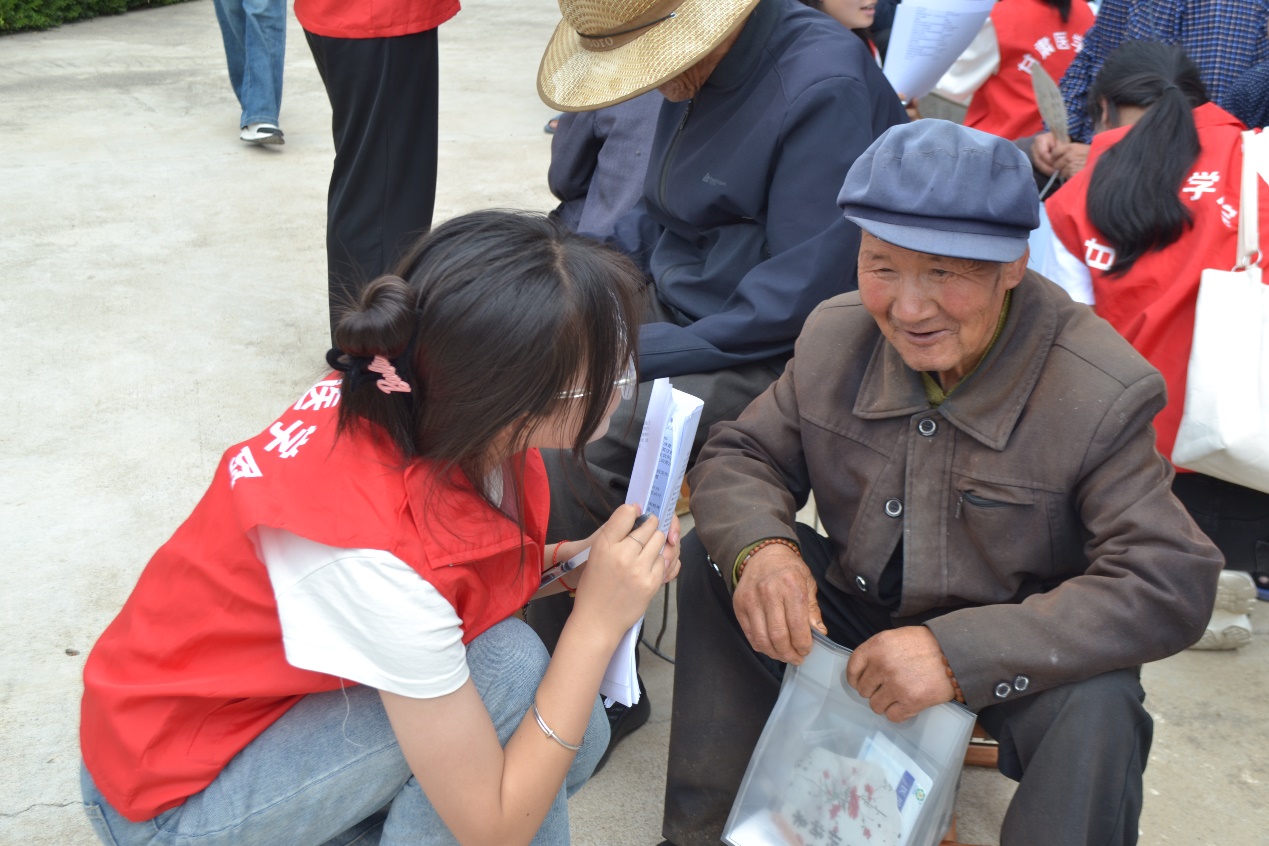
{"points": [[261, 133], [1235, 592], [1230, 626]]}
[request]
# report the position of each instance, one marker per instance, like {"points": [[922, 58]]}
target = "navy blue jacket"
{"points": [[739, 226]]}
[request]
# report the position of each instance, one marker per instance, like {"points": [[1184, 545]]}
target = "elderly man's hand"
{"points": [[1070, 158], [1043, 157], [900, 672], [775, 604]]}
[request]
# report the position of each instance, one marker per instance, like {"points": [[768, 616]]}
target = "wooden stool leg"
{"points": [[982, 751]]}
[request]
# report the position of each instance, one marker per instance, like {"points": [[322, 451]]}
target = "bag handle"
{"points": [[1249, 203]]}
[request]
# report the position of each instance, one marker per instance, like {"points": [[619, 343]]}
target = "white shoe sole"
{"points": [[1235, 592], [258, 136], [1226, 631], [265, 140]]}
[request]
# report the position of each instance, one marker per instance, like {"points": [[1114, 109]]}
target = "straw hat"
{"points": [[607, 51]]}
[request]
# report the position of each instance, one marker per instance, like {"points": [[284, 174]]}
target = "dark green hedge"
{"points": [[18, 15]]}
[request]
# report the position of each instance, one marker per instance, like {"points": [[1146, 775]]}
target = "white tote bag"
{"points": [[1225, 426]]}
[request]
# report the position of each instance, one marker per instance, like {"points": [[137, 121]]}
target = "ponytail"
{"points": [[1133, 193], [380, 324]]}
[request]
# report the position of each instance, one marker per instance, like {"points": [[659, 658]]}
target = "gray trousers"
{"points": [[1078, 751]]}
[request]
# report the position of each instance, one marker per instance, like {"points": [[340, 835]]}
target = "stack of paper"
{"points": [[927, 37], [664, 447]]}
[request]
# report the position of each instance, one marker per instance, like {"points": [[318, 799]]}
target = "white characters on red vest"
{"points": [[324, 394], [289, 440], [1098, 256], [1229, 214], [243, 466], [1047, 46], [1200, 183]]}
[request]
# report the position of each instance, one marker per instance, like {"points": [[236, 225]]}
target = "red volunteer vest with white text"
{"points": [[193, 667], [1152, 305], [380, 19], [1027, 32]]}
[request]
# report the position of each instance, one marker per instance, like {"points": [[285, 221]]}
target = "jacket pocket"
{"points": [[1000, 539], [982, 501]]}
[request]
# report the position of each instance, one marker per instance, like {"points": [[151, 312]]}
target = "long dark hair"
{"points": [[1132, 194], [1063, 7], [491, 318]]}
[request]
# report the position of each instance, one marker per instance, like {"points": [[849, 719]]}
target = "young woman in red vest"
{"points": [[1156, 205], [325, 652], [996, 68]]}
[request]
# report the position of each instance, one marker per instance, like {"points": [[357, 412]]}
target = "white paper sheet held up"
{"points": [[926, 38], [664, 446]]}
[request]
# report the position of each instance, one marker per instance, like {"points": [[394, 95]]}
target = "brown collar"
{"points": [[987, 407]]}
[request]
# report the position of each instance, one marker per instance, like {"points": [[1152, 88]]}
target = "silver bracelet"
{"points": [[537, 715]]}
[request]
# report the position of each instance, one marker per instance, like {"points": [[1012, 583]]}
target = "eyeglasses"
{"points": [[626, 385]]}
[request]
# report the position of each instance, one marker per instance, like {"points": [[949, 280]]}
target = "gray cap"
{"points": [[936, 187]]}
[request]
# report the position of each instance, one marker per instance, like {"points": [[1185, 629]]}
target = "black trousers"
{"points": [[1234, 517], [1078, 751], [383, 97]]}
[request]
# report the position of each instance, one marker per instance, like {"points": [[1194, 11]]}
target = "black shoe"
{"points": [[622, 721]]}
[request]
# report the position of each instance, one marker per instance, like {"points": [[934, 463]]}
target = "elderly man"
{"points": [[1000, 528], [768, 104]]}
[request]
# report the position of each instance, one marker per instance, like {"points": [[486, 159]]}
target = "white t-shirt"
{"points": [[363, 615]]}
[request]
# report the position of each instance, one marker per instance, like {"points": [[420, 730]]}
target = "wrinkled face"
{"points": [[852, 14], [939, 313], [686, 85]]}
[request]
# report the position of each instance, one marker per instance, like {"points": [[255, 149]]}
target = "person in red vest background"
{"points": [[1134, 230], [379, 63], [325, 650], [996, 68]]}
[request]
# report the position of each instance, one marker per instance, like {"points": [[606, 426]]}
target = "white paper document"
{"points": [[927, 37], [910, 783], [655, 481]]}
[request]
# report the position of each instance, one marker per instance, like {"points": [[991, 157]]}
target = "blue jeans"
{"points": [[255, 46], [329, 772]]}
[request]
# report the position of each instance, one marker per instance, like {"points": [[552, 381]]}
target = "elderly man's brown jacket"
{"points": [[1032, 503]]}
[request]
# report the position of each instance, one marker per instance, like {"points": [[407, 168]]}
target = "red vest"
{"points": [[193, 668], [379, 19], [1153, 304], [1027, 32]]}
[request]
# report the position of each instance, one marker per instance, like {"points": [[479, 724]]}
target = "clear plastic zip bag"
{"points": [[827, 771]]}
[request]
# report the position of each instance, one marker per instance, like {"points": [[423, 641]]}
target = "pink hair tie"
{"points": [[390, 381]]}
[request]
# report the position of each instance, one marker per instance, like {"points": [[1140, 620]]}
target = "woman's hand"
{"points": [[910, 106], [625, 570], [671, 551]]}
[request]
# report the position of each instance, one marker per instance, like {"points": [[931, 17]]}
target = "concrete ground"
{"points": [[164, 295]]}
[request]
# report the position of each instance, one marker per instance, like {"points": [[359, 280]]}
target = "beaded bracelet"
{"points": [[956, 686], [740, 564]]}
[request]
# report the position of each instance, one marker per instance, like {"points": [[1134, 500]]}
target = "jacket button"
{"points": [[1021, 683], [862, 584], [893, 508], [927, 426], [1003, 690]]}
